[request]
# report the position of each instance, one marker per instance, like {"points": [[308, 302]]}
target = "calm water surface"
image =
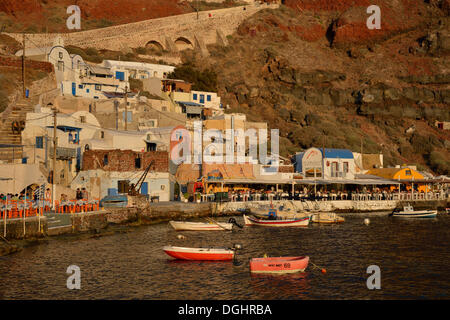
{"points": [[413, 256]]}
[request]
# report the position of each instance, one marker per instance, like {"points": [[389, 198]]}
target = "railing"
{"points": [[13, 209], [404, 196]]}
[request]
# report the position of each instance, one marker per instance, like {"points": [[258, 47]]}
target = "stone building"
{"points": [[110, 172]]}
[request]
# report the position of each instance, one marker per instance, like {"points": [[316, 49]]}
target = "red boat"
{"points": [[184, 253], [279, 264]]}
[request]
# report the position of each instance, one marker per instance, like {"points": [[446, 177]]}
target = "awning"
{"points": [[66, 128], [194, 110], [11, 146], [188, 103]]}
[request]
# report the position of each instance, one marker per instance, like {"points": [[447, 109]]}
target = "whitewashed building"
{"points": [[139, 70]]}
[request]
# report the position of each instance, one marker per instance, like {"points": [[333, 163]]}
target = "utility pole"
{"points": [[55, 141], [116, 110], [126, 107], [23, 66]]}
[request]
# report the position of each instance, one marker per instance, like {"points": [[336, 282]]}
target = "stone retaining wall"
{"points": [[33, 228]]}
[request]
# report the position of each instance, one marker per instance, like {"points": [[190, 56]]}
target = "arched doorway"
{"points": [[154, 46], [183, 43]]}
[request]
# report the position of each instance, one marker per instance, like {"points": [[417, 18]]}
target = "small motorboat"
{"points": [[200, 226], [279, 264], [408, 212], [326, 217], [277, 222], [184, 253]]}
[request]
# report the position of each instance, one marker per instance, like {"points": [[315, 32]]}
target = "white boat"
{"points": [[295, 222], [408, 212], [326, 217], [200, 226]]}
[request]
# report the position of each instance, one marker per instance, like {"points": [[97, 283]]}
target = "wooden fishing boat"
{"points": [[279, 264], [184, 253], [200, 226], [409, 212], [327, 218], [294, 222]]}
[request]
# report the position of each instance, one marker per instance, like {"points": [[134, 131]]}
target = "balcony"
{"points": [[64, 153]]}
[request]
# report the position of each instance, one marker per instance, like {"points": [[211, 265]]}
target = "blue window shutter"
{"points": [[40, 142], [195, 96], [208, 97], [120, 75]]}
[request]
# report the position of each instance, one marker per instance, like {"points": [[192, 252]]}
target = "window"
{"points": [[86, 147], [80, 86], [60, 65], [408, 172], [83, 119], [60, 55], [334, 169], [346, 167], [202, 98], [102, 134], [151, 123], [163, 187], [87, 90], [208, 97], [105, 160], [164, 108], [137, 162], [195, 96], [129, 116], [98, 87], [39, 142]]}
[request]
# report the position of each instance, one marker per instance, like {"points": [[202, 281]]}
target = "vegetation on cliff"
{"points": [[378, 94]]}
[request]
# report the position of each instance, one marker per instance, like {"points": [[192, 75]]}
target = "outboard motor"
{"points": [[233, 221]]}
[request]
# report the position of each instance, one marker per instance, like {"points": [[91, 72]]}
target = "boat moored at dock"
{"points": [[208, 254], [294, 222], [409, 212], [200, 226], [279, 265], [326, 218]]}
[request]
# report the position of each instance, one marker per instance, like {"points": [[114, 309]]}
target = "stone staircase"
{"points": [[16, 112]]}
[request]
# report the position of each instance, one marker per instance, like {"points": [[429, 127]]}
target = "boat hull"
{"points": [[199, 254], [326, 218], [279, 265], [200, 226], [416, 214], [252, 221]]}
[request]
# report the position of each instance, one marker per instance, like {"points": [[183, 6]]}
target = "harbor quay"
{"points": [[50, 225]]}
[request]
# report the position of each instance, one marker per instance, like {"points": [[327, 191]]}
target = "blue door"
{"points": [[74, 89], [144, 188], [202, 98], [120, 75]]}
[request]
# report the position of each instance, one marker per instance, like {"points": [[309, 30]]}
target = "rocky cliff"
{"points": [[314, 70]]}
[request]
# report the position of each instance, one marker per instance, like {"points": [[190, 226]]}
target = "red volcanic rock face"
{"points": [[14, 7], [52, 13], [350, 16], [130, 10]]}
